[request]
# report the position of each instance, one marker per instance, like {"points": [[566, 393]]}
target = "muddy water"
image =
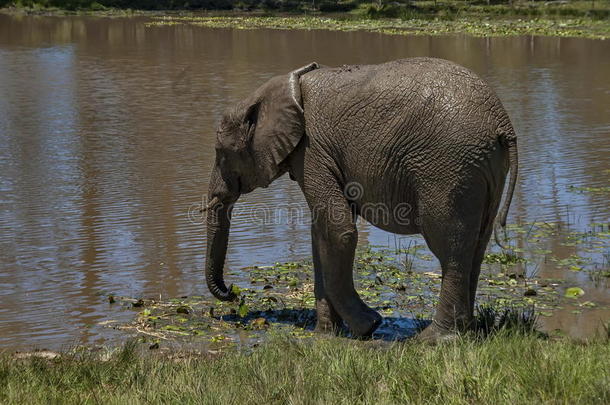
{"points": [[106, 140]]}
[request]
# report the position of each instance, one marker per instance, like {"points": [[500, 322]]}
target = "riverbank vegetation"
{"points": [[404, 9], [583, 28], [574, 18], [506, 368]]}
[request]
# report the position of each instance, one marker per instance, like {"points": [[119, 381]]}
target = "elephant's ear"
{"points": [[276, 122]]}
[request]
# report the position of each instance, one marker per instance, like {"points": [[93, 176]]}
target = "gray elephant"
{"points": [[418, 145]]}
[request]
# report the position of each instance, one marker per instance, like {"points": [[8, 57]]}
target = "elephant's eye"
{"points": [[226, 125]]}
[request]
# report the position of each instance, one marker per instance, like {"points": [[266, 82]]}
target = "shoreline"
{"points": [[477, 25]]}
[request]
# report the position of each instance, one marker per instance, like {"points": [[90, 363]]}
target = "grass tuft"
{"points": [[490, 319]]}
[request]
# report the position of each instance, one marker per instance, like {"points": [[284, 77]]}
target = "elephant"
{"points": [[413, 146]]}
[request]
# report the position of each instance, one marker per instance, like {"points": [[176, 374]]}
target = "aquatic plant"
{"points": [[280, 297], [476, 27]]}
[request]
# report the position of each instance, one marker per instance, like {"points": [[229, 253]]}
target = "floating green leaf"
{"points": [[574, 292]]}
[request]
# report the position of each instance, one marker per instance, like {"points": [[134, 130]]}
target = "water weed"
{"points": [[482, 27]]}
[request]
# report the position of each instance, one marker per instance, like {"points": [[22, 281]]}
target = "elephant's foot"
{"points": [[435, 334], [328, 321], [325, 326], [365, 324]]}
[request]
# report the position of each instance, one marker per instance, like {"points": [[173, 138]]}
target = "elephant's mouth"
{"points": [[241, 187]]}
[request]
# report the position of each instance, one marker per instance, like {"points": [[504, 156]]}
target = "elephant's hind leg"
{"points": [[454, 243], [479, 254], [488, 217]]}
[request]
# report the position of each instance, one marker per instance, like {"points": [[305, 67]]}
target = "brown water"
{"points": [[106, 140]]}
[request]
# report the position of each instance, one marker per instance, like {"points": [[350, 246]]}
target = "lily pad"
{"points": [[574, 292]]}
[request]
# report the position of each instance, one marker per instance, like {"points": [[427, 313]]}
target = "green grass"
{"points": [[505, 368]]}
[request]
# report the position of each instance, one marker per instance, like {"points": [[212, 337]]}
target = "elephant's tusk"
{"points": [[215, 201]]}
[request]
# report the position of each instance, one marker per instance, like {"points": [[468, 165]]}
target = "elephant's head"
{"points": [[254, 139]]}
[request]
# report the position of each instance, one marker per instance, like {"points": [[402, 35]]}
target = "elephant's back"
{"points": [[408, 74], [405, 89], [407, 110], [419, 119]]}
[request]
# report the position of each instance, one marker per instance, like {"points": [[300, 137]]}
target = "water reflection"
{"points": [[106, 139]]}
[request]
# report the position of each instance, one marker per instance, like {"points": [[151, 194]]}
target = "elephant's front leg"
{"points": [[328, 320], [335, 235]]}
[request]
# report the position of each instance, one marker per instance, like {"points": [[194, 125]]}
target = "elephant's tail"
{"points": [[510, 140]]}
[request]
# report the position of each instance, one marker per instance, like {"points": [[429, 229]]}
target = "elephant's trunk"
{"points": [[218, 225]]}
